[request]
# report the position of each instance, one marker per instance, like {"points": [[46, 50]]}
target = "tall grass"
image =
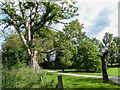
{"points": [[24, 78]]}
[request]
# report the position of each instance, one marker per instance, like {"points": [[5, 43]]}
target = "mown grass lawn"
{"points": [[112, 71], [81, 82]]}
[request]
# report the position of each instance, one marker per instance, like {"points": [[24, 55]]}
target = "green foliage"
{"points": [[44, 39], [67, 41], [12, 42], [66, 55], [12, 57], [52, 13], [98, 44], [117, 41], [73, 32], [24, 78], [87, 59], [111, 43], [13, 52]]}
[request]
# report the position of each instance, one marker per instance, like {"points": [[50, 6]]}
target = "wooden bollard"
{"points": [[60, 84]]}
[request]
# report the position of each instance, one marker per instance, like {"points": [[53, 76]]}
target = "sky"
{"points": [[98, 17]]}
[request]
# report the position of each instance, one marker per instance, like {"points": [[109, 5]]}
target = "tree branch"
{"points": [[47, 51], [52, 28], [36, 11], [23, 14], [99, 55], [60, 22], [105, 53]]}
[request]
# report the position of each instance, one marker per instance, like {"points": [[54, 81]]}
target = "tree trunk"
{"points": [[33, 62], [32, 56], [105, 75]]}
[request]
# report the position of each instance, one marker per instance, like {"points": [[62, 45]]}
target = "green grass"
{"points": [[112, 71], [81, 82], [28, 78]]}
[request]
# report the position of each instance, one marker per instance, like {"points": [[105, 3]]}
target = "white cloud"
{"points": [[89, 10], [113, 27]]}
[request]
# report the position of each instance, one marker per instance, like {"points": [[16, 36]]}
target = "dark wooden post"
{"points": [[60, 84], [105, 75]]}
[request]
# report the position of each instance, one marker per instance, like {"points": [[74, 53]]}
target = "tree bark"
{"points": [[105, 75], [32, 56], [28, 31], [33, 62]]}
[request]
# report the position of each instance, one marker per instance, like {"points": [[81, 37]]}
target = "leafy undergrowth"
{"points": [[82, 82], [24, 78], [112, 71]]}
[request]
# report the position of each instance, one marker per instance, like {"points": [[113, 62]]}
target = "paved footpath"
{"points": [[115, 79]]}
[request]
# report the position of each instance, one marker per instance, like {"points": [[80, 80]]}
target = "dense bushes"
{"points": [[24, 78], [11, 57]]}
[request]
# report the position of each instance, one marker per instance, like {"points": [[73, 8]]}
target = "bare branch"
{"points": [[60, 22], [53, 28]]}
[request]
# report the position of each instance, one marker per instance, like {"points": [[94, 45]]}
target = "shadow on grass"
{"points": [[95, 80], [90, 80], [91, 83]]}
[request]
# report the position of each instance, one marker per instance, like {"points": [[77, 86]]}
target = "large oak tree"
{"points": [[32, 17]]}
